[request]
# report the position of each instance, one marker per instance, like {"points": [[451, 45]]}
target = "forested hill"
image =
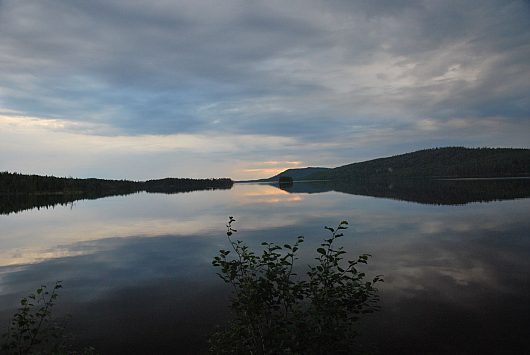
{"points": [[296, 174], [447, 162], [440, 162], [14, 183]]}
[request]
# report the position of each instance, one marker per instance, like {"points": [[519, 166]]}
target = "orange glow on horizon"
{"points": [[270, 171], [266, 194], [271, 167], [275, 162]]}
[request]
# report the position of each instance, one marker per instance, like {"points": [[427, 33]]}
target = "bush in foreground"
{"points": [[34, 330], [275, 312]]}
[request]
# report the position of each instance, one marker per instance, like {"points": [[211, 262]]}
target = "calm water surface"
{"points": [[137, 275]]}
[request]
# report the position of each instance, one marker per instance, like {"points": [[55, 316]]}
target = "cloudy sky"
{"points": [[148, 89]]}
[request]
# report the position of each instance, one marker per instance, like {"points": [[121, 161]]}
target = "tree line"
{"points": [[437, 163], [15, 183], [20, 192]]}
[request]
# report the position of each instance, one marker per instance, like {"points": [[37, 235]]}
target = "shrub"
{"points": [[275, 312], [32, 329]]}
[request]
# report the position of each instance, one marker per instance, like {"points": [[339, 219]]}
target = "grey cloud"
{"points": [[153, 67]]}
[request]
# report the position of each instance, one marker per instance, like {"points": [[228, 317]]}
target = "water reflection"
{"points": [[429, 191], [438, 192], [15, 203], [137, 272], [130, 295], [265, 193]]}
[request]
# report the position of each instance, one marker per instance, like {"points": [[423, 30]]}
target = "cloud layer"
{"points": [[321, 82]]}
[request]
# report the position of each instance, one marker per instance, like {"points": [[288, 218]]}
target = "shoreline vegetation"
{"points": [[19, 192], [438, 176], [450, 175]]}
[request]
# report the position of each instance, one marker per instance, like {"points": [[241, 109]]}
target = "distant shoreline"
{"points": [[16, 184], [394, 178]]}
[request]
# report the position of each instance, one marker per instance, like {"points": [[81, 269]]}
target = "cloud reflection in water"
{"points": [[456, 276]]}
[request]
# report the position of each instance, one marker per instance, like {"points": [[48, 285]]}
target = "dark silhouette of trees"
{"points": [[421, 190], [285, 180], [437, 163], [20, 192]]}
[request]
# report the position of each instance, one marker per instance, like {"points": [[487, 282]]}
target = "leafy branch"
{"points": [[33, 328], [275, 312]]}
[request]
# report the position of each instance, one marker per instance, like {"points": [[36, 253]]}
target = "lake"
{"points": [[138, 278]]}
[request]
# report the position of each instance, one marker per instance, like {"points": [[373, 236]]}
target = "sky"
{"points": [[245, 89]]}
